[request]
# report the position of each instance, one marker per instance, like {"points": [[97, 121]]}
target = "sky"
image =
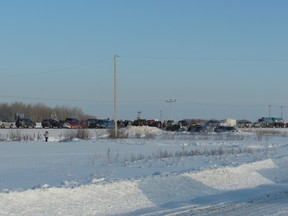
{"points": [[217, 59]]}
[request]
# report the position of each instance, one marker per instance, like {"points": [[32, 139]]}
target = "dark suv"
{"points": [[225, 129], [25, 123], [50, 123]]}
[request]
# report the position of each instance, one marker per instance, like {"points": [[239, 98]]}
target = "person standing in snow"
{"points": [[46, 135]]}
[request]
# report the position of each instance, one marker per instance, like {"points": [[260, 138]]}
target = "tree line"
{"points": [[39, 111]]}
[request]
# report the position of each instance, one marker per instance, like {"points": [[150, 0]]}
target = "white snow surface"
{"points": [[147, 172]]}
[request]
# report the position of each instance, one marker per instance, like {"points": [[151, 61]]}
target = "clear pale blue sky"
{"points": [[217, 58]]}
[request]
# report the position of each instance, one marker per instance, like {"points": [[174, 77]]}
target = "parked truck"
{"points": [[271, 122]]}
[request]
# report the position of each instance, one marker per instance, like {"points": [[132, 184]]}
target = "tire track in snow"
{"points": [[269, 204]]}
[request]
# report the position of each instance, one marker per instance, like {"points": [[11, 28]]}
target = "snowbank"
{"points": [[142, 131]]}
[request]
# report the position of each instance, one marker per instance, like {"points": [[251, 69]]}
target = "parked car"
{"points": [[50, 123], [104, 123], [211, 125], [25, 123], [6, 124], [197, 129], [71, 123], [91, 123], [176, 127], [140, 122], [244, 124], [223, 129], [154, 123]]}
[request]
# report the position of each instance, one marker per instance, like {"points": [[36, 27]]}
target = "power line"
{"points": [[137, 101], [209, 59], [55, 99], [56, 69]]}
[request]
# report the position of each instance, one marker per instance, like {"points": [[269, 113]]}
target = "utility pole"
{"points": [[115, 97], [281, 112], [269, 106], [170, 103]]}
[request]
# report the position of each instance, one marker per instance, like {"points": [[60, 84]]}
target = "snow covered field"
{"points": [[152, 172]]}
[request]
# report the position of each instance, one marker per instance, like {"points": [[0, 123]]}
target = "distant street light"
{"points": [[269, 110], [170, 103]]}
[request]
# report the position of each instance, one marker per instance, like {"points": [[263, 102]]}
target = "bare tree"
{"points": [[39, 111]]}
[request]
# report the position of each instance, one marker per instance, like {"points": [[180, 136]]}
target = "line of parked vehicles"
{"points": [[209, 126], [73, 123], [228, 125]]}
